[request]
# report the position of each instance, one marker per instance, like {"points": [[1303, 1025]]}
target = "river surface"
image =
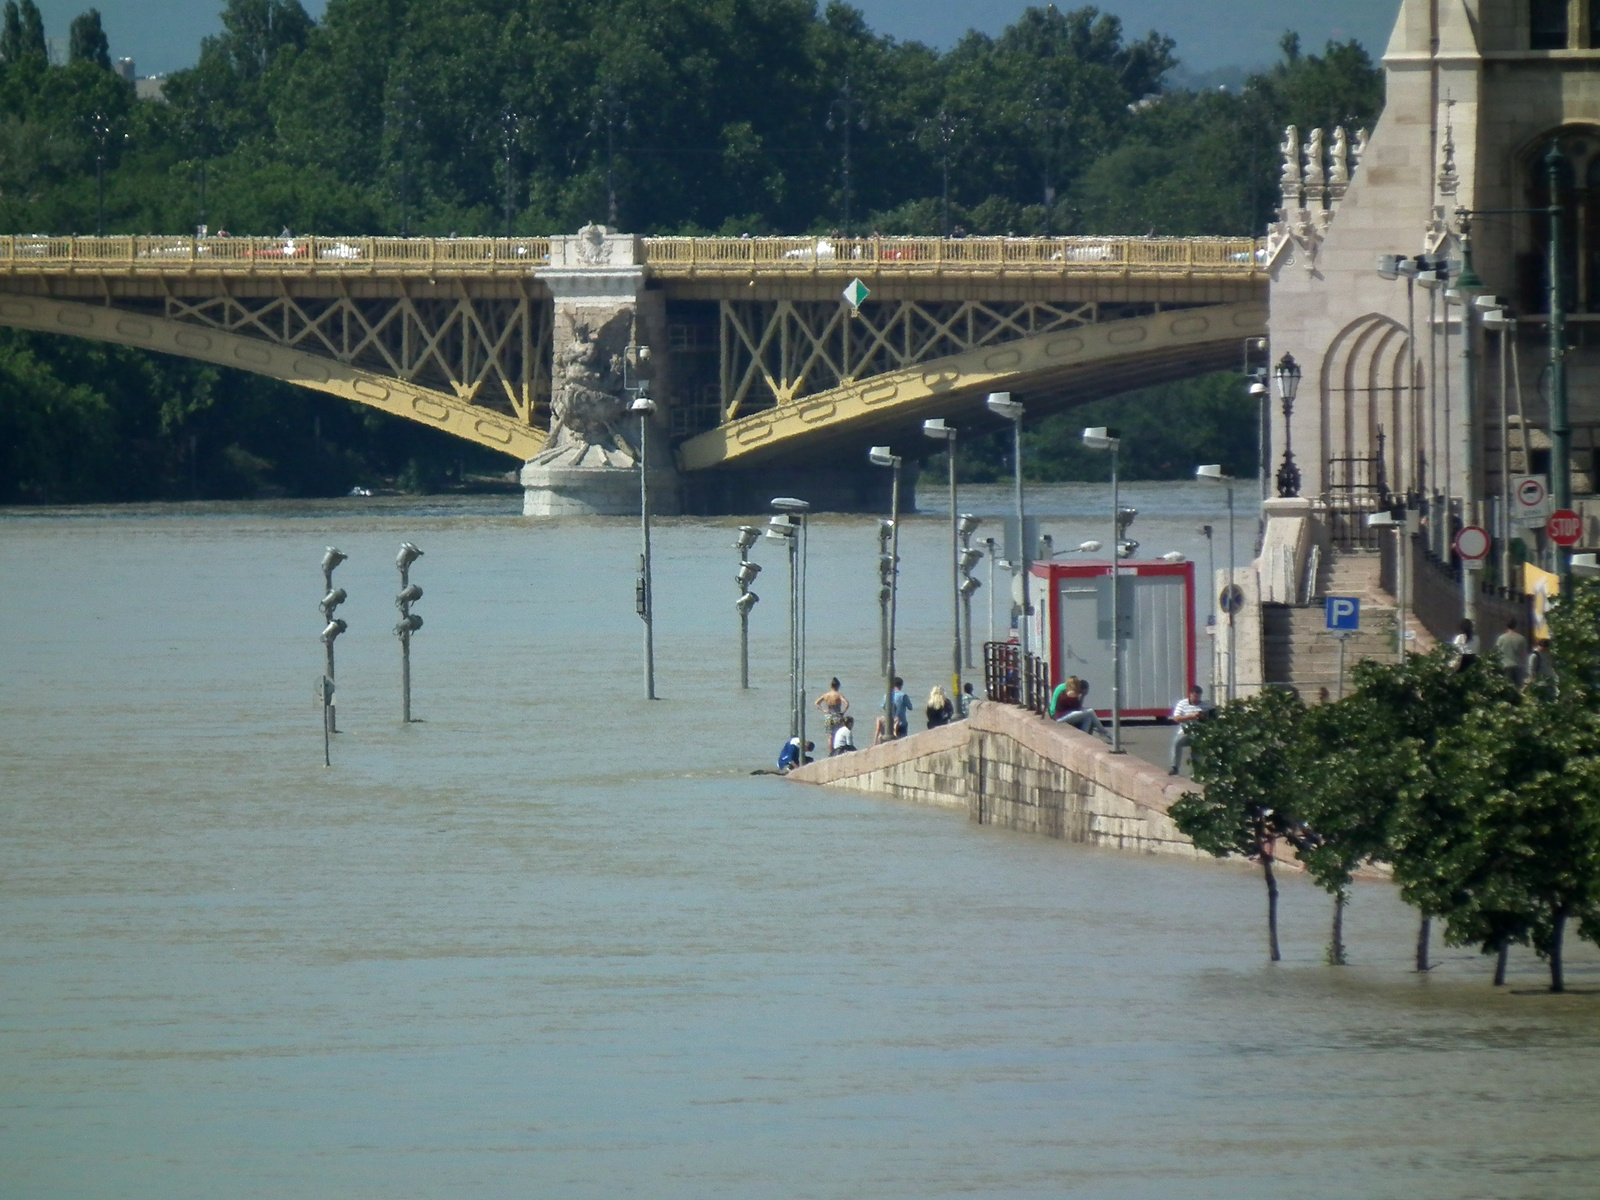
{"points": [[554, 940]]}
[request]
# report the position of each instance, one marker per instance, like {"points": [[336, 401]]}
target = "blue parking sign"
{"points": [[1344, 614]]}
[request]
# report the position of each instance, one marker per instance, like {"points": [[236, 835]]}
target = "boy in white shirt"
{"points": [[1185, 711], [844, 738]]}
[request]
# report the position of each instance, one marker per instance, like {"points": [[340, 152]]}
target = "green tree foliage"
{"points": [[1248, 756], [86, 40]]}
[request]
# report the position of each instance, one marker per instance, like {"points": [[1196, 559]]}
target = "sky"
{"points": [[164, 35]]}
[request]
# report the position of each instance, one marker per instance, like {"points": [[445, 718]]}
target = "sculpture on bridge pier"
{"points": [[586, 398]]}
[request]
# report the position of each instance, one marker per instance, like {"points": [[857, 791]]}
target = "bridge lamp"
{"points": [[940, 431], [882, 456], [1099, 437], [1214, 473]]}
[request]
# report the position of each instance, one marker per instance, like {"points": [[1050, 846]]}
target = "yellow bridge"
{"points": [[765, 360]]}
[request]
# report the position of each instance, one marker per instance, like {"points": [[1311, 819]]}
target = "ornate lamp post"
{"points": [[1288, 375]]}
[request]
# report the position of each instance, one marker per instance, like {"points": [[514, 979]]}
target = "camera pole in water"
{"points": [[410, 593], [332, 597], [324, 694]]}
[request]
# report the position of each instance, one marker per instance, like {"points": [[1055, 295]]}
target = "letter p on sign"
{"points": [[1344, 614]]}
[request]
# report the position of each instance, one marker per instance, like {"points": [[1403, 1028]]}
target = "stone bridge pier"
{"points": [[608, 342]]}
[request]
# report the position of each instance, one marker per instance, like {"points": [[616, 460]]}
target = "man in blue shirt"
{"points": [[789, 756], [900, 706]]}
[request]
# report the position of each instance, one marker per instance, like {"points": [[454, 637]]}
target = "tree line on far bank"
{"points": [[1482, 798], [536, 116]]}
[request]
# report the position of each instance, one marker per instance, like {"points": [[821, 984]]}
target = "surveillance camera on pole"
{"points": [[410, 593], [332, 597]]}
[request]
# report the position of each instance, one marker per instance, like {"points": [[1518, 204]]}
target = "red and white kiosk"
{"points": [[1072, 626]]}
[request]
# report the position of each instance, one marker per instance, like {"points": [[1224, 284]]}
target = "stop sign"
{"points": [[1565, 527]]}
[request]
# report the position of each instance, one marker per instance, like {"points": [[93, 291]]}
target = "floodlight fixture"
{"points": [[968, 524], [937, 429], [1585, 565], [332, 601], [1174, 556], [408, 555], [970, 558], [409, 623], [1382, 520], [1099, 437], [332, 558], [410, 594], [333, 629], [790, 504], [1213, 472], [746, 602], [746, 573], [1002, 405], [748, 535], [642, 405], [882, 456], [1089, 547]]}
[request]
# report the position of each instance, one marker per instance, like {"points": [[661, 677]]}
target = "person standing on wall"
{"points": [[1512, 650], [833, 706], [1185, 712]]}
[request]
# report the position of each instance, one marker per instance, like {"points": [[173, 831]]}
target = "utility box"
{"points": [[1072, 625]]}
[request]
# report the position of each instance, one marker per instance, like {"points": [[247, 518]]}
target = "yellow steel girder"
{"points": [[400, 398], [887, 399]]}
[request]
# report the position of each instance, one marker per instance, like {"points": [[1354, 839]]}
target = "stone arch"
{"points": [[1362, 391]]}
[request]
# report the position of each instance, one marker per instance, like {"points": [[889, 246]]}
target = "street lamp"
{"points": [[1400, 266], [989, 549], [1262, 395], [1385, 520], [784, 528], [940, 431], [1214, 473], [747, 599], [886, 574], [1211, 595], [644, 601], [1100, 438], [410, 593], [795, 510], [1502, 323], [332, 597], [970, 558], [1288, 375], [881, 456], [1002, 405]]}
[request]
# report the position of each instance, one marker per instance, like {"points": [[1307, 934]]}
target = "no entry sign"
{"points": [[1472, 544], [1565, 527]]}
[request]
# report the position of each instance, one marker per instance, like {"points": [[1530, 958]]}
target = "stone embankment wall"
{"points": [[1007, 767]]}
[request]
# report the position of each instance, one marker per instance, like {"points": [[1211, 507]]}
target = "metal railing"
{"points": [[1005, 683], [1235, 257]]}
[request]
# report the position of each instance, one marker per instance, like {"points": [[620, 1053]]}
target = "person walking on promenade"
{"points": [[1184, 713], [1512, 649], [1540, 665], [1465, 645], [1068, 705], [844, 738], [833, 706], [964, 702], [899, 709], [939, 711]]}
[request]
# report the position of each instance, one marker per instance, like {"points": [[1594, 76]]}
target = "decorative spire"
{"points": [[1449, 180]]}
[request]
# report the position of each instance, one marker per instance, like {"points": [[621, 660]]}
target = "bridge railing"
{"points": [[1242, 256], [668, 255], [254, 253]]}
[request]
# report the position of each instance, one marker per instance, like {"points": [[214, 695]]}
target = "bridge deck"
{"points": [[666, 258]]}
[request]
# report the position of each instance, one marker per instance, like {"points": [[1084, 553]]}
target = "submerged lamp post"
{"points": [[644, 599], [886, 573], [1214, 473], [1002, 405], [332, 597], [1288, 376], [794, 513], [1100, 438], [784, 529], [410, 593], [747, 599], [882, 456], [970, 558], [937, 429]]}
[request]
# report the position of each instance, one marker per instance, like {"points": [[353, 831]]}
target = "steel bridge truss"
{"points": [[776, 351], [489, 353]]}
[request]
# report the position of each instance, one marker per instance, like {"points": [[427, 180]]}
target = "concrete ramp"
{"points": [[1006, 766]]}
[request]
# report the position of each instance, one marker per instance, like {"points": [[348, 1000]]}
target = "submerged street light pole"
{"points": [[1214, 473], [937, 429], [410, 593], [796, 511], [1002, 405], [1101, 438], [644, 601], [332, 597], [882, 456], [747, 600]]}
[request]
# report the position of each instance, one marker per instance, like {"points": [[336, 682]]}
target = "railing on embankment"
{"points": [[1234, 258], [1005, 681]]}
